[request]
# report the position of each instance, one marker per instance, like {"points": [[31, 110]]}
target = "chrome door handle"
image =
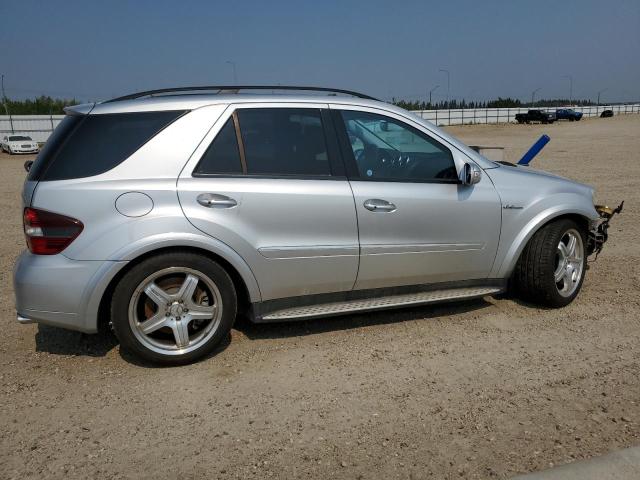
{"points": [[214, 200], [378, 205]]}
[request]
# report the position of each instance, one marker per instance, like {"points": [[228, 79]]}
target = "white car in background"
{"points": [[19, 144]]}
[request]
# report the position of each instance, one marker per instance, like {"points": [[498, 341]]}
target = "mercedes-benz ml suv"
{"points": [[167, 213]]}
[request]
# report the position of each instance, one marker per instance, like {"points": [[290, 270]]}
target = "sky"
{"points": [[94, 50]]}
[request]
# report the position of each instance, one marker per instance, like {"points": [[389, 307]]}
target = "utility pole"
{"points": [[448, 84], [235, 76], [533, 95], [601, 91], [431, 91], [570, 87], [4, 102]]}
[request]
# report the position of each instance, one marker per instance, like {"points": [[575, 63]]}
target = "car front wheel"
{"points": [[552, 266], [173, 308]]}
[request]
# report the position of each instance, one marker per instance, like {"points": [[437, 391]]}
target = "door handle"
{"points": [[378, 205], [214, 200]]}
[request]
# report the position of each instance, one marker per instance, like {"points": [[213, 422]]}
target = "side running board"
{"points": [[393, 301]]}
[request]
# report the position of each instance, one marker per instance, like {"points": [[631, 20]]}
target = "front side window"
{"points": [[284, 141], [386, 149]]}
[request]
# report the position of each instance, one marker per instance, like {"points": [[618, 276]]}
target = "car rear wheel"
{"points": [[551, 268], [173, 308]]}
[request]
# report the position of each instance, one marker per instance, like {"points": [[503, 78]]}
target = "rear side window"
{"points": [[284, 141], [223, 155], [93, 144]]}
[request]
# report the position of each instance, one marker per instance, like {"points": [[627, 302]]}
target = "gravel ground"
{"points": [[481, 389]]}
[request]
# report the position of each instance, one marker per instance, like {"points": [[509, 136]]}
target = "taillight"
{"points": [[49, 233]]}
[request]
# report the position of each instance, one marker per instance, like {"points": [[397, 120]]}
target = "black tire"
{"points": [[533, 278], [128, 284]]}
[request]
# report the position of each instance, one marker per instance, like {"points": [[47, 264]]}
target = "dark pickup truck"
{"points": [[568, 114], [536, 116]]}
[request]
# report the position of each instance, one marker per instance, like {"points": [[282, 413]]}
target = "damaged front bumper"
{"points": [[598, 234]]}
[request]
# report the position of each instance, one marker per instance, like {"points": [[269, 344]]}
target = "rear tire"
{"points": [[173, 308], [551, 268]]}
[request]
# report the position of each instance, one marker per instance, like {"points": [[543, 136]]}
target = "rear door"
{"points": [[268, 181], [418, 223]]}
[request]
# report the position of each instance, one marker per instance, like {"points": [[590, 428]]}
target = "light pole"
{"points": [[431, 91], [570, 87], [533, 95], [235, 76], [4, 102], [603, 90], [448, 83]]}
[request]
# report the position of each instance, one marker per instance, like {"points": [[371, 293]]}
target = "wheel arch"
{"points": [[242, 290], [96, 311], [506, 267]]}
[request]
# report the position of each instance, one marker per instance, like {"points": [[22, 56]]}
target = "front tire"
{"points": [[173, 308], [552, 266]]}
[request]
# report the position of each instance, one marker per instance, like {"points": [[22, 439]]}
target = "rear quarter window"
{"points": [[84, 146]]}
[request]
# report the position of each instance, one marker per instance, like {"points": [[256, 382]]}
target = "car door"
{"points": [[269, 182], [418, 223]]}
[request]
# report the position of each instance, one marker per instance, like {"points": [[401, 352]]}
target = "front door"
{"points": [[417, 223]]}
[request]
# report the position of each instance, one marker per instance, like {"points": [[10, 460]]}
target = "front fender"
{"points": [[518, 226]]}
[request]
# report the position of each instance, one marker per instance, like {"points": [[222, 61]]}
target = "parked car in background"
{"points": [[19, 144], [606, 114], [568, 114], [167, 213], [536, 116]]}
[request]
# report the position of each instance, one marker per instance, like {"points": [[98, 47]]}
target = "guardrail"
{"points": [[39, 127]]}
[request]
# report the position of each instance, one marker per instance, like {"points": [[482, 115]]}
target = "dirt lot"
{"points": [[481, 389]]}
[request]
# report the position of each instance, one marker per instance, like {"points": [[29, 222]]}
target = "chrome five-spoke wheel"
{"points": [[175, 310], [569, 264]]}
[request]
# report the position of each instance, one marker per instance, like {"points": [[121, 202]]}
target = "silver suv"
{"points": [[168, 213]]}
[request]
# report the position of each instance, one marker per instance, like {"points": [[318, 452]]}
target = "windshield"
{"points": [[18, 138]]}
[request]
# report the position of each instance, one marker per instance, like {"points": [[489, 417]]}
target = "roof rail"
{"points": [[235, 89]]}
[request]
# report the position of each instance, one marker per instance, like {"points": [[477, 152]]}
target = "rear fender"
{"points": [[97, 287]]}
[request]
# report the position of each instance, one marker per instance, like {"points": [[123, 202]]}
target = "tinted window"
{"points": [[386, 149], [223, 155], [284, 141], [57, 138], [98, 143]]}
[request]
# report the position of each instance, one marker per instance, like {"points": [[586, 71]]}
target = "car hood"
{"points": [[530, 181]]}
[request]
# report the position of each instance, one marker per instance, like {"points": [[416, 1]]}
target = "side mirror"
{"points": [[470, 174], [27, 165]]}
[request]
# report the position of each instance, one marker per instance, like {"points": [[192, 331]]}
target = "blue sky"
{"points": [[100, 49]]}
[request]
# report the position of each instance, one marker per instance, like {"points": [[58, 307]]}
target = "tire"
{"points": [[543, 260], [189, 309]]}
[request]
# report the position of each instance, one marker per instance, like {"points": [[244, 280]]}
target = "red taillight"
{"points": [[49, 233]]}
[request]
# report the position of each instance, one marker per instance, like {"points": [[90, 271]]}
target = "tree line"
{"points": [[497, 103], [42, 105], [45, 105]]}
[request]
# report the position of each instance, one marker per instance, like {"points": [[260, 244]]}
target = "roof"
{"points": [[193, 101]]}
